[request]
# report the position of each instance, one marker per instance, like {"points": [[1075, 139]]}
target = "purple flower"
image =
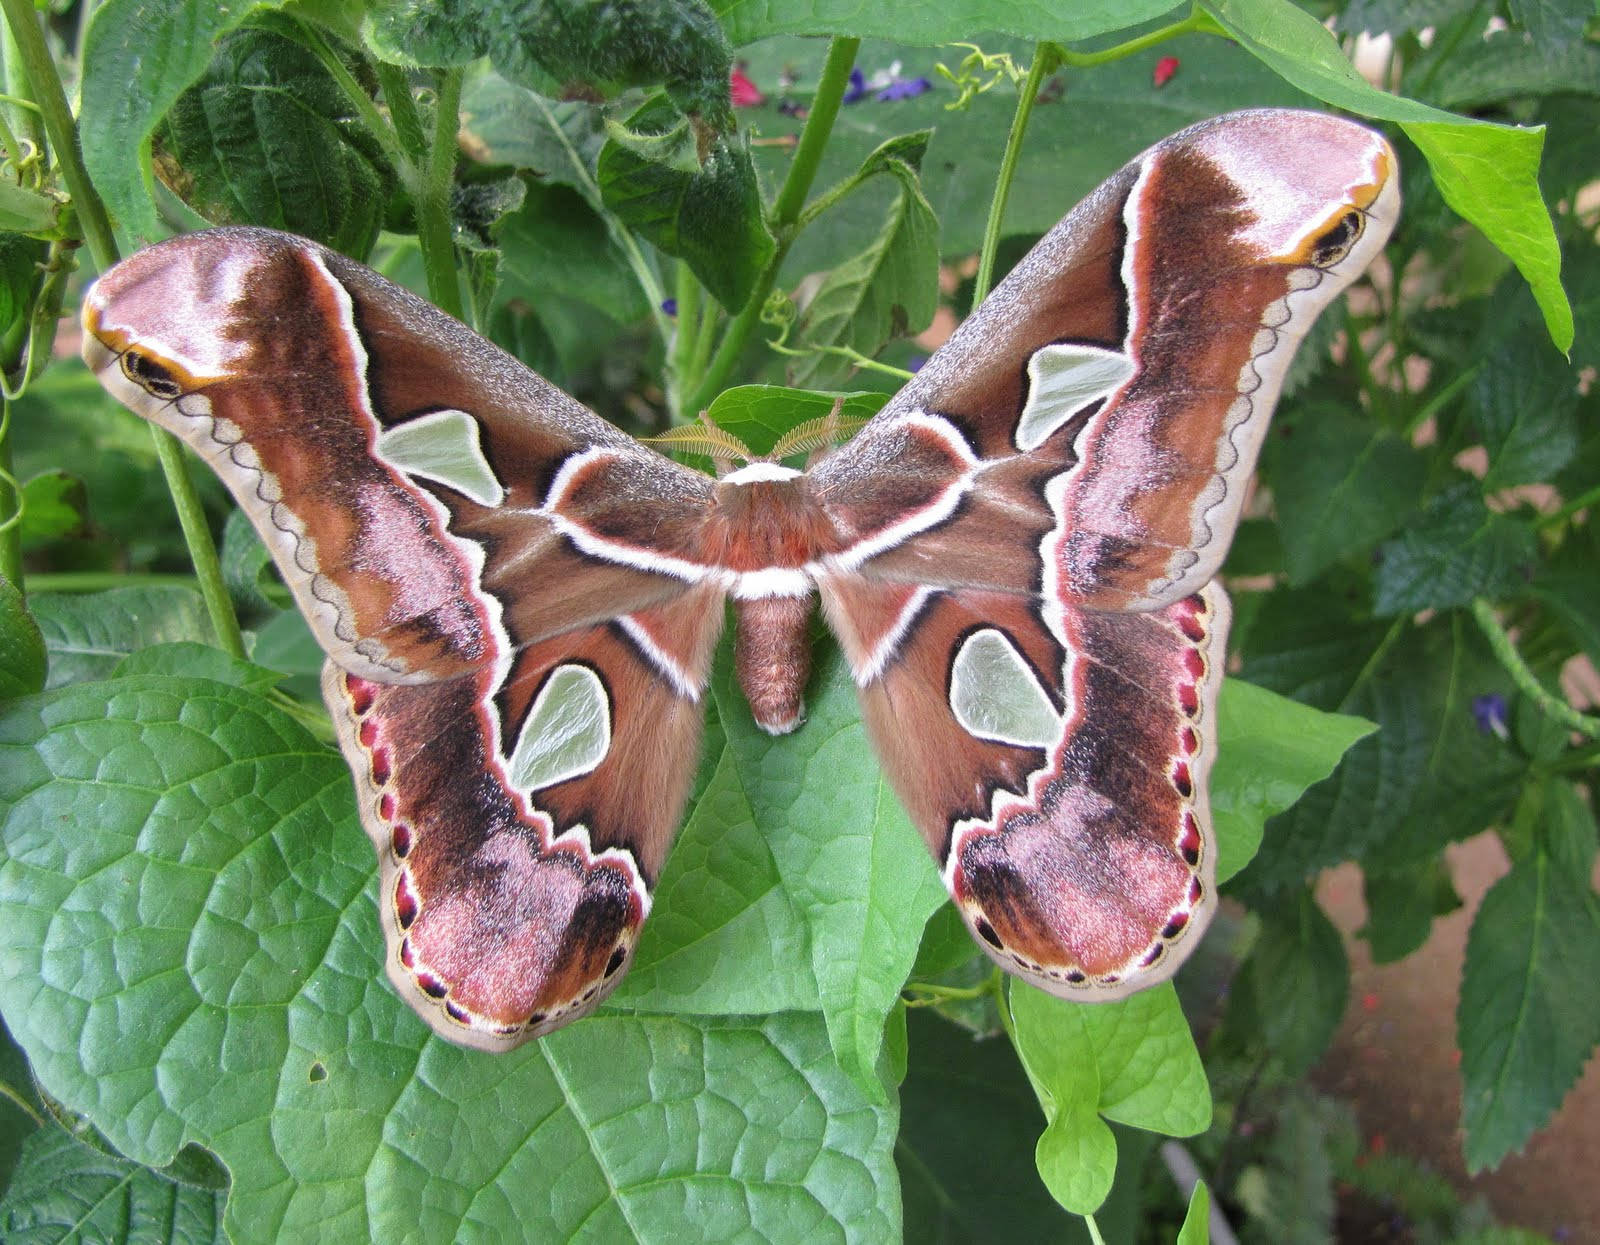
{"points": [[670, 306], [915, 362], [1489, 712], [858, 87], [906, 88]]}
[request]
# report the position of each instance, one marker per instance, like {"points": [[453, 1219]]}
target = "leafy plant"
{"points": [[192, 958]]}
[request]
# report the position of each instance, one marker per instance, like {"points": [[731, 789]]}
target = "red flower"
{"points": [[745, 92], [1165, 68]]}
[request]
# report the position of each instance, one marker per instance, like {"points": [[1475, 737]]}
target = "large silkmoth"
{"points": [[520, 603]]}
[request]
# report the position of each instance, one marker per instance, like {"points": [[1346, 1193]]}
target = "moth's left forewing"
{"points": [[1034, 633]]}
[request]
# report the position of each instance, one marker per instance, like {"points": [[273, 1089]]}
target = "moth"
{"points": [[520, 603]]}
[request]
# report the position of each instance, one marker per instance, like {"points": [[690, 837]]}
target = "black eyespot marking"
{"points": [[986, 932], [150, 376], [615, 962], [1336, 243]]}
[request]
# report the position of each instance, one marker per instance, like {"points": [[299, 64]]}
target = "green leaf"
{"points": [[1132, 1061], [1341, 482], [711, 219], [187, 659], [889, 290], [1529, 1017], [570, 47], [1292, 990], [1524, 403], [759, 414], [64, 1191], [20, 275], [1401, 906], [724, 935], [88, 635], [560, 140], [930, 22], [195, 958], [1487, 173], [1150, 1072], [556, 244], [23, 659], [1427, 777], [1072, 143], [1457, 549], [1196, 1228], [859, 874], [139, 56], [235, 146], [1077, 1154], [53, 503], [1506, 64], [964, 1098], [1270, 749]]}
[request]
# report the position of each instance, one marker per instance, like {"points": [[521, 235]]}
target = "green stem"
{"points": [[1046, 57], [786, 211], [396, 88], [1505, 651], [101, 581], [1581, 502], [1198, 22], [432, 193], [47, 93], [61, 127], [685, 337], [825, 105], [10, 505], [1094, 1230], [371, 116], [1434, 405]]}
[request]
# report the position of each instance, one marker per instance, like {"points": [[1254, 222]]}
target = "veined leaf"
{"points": [[1529, 1017], [1132, 1061], [564, 47], [862, 881], [66, 1191], [711, 219], [195, 957], [22, 652], [889, 290], [234, 146], [139, 56], [1457, 549], [88, 634], [1269, 750]]}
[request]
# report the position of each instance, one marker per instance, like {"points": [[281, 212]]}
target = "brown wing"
{"points": [[517, 649], [1033, 522]]}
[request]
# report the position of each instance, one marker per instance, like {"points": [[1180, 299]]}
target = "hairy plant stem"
{"points": [[785, 219], [1505, 652], [61, 128]]}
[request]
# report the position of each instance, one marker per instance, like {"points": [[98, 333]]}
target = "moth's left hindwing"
{"points": [[521, 756]]}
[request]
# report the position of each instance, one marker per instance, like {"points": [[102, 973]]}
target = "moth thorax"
{"points": [[772, 657]]}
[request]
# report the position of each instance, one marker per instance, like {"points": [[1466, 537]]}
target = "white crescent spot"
{"points": [[1064, 379], [444, 447], [995, 694], [567, 732]]}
